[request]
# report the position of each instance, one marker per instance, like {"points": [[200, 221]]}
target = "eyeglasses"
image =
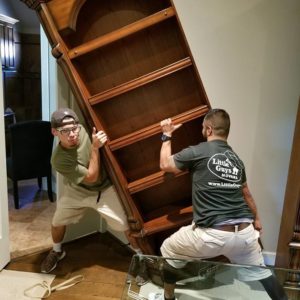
{"points": [[67, 131]]}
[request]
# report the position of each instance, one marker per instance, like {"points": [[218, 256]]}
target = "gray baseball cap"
{"points": [[59, 115]]}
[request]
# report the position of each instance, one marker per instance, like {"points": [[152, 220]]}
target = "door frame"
{"points": [[4, 227]]}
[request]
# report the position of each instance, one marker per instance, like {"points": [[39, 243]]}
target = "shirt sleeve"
{"points": [[184, 159]]}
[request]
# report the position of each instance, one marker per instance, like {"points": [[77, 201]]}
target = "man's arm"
{"points": [[98, 140], [251, 203], [167, 163]]}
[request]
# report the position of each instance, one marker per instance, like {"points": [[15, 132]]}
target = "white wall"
{"points": [[5, 9], [247, 54]]}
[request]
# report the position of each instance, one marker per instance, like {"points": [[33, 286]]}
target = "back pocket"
{"points": [[253, 238], [209, 245]]}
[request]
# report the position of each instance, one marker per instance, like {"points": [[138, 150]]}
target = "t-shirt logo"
{"points": [[226, 166]]}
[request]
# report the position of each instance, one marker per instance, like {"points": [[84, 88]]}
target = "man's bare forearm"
{"points": [[166, 162], [165, 153], [98, 140], [251, 204], [94, 166], [250, 201]]}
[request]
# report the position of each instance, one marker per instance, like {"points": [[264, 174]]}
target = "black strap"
{"points": [[99, 195]]}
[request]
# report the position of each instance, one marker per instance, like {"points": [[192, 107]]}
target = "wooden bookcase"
{"points": [[288, 248], [129, 66]]}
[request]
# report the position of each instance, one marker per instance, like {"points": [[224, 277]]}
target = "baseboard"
{"points": [[269, 258]]}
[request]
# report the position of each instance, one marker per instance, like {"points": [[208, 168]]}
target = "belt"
{"points": [[231, 228]]}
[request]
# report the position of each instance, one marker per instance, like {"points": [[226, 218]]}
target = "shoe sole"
{"points": [[59, 259]]}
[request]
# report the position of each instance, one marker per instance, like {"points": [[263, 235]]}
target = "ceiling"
{"points": [[28, 20]]}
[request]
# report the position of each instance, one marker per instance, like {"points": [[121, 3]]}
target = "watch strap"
{"points": [[165, 138]]}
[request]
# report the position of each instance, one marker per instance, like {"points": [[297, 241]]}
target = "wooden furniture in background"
{"points": [[22, 82], [288, 249], [22, 85], [129, 66], [7, 42], [20, 57]]}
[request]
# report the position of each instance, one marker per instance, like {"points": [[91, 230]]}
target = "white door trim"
{"points": [[4, 229]]}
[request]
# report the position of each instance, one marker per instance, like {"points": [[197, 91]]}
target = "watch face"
{"points": [[165, 138]]}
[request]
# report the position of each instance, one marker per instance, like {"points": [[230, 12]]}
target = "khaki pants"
{"points": [[75, 201], [241, 247]]}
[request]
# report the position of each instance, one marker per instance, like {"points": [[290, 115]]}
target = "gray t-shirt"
{"points": [[73, 164], [217, 178]]}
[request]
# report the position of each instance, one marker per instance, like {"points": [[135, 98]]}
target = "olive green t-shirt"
{"points": [[217, 178], [73, 164]]}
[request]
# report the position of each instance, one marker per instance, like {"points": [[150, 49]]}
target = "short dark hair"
{"points": [[219, 120]]}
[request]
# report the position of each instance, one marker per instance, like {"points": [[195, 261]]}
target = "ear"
{"points": [[54, 131], [209, 131]]}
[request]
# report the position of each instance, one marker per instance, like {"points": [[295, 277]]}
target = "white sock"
{"points": [[57, 247]]}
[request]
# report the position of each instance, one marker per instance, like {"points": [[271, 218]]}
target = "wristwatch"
{"points": [[165, 138]]}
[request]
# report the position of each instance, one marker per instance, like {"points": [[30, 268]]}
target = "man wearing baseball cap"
{"points": [[86, 184]]}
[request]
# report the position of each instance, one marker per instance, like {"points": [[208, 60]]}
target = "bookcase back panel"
{"points": [[109, 67], [149, 104], [174, 193]]}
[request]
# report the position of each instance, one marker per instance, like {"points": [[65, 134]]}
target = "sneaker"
{"points": [[142, 276], [134, 266], [50, 262], [138, 271]]}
